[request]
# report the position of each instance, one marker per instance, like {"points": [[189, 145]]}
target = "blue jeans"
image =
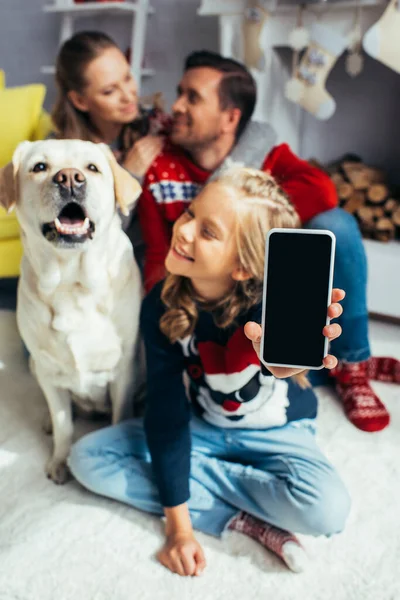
{"points": [[351, 275], [278, 475]]}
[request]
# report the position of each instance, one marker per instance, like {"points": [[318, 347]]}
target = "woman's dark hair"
{"points": [[237, 88], [73, 58]]}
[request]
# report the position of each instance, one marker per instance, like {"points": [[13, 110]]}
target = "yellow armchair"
{"points": [[21, 118]]}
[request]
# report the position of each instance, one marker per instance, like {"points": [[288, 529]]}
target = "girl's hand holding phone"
{"points": [[254, 332]]}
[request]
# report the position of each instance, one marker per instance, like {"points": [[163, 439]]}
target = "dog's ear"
{"points": [[126, 189], [9, 191], [8, 187]]}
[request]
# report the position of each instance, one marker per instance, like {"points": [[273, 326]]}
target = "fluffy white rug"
{"points": [[62, 543]]}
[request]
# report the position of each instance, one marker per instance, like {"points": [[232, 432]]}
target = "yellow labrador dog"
{"points": [[80, 291]]}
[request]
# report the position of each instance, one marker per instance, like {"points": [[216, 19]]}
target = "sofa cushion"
{"points": [[43, 128], [10, 257], [21, 118], [20, 109], [9, 228]]}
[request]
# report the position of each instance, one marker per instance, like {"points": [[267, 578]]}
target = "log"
{"points": [[396, 220], [356, 201], [385, 230], [366, 215], [336, 166], [390, 206], [376, 175], [345, 191], [367, 231], [337, 179], [357, 174], [377, 193], [379, 212], [396, 217], [361, 176]]}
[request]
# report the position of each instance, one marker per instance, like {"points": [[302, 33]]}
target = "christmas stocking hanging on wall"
{"points": [[255, 17], [307, 85], [382, 41]]}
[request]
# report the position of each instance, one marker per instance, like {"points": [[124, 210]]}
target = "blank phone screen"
{"points": [[298, 280]]}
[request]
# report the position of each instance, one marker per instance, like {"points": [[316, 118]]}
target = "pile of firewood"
{"points": [[364, 192]]}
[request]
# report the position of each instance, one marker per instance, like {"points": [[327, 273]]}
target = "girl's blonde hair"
{"points": [[261, 206]]}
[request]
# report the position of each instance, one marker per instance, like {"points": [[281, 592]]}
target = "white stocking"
{"points": [[307, 86], [255, 17], [382, 41]]}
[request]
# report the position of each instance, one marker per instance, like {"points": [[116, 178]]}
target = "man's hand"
{"points": [[182, 554], [142, 154], [253, 331]]}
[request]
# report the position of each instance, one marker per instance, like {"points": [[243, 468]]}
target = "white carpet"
{"points": [[63, 543]]}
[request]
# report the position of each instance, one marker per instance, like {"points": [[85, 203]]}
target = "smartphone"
{"points": [[298, 275]]}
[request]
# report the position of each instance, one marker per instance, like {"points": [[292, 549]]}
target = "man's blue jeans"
{"points": [[278, 475], [350, 275]]}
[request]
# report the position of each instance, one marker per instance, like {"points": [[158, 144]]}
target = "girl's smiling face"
{"points": [[203, 246]]}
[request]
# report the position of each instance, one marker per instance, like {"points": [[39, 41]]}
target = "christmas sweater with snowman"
{"points": [[216, 374]]}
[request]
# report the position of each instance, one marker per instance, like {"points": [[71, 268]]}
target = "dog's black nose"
{"points": [[70, 179]]}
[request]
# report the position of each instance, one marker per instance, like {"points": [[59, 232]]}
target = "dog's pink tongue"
{"points": [[66, 221]]}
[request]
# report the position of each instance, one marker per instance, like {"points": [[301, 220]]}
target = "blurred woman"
{"points": [[97, 101]]}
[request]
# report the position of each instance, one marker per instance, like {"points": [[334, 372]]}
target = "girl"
{"points": [[248, 459]]}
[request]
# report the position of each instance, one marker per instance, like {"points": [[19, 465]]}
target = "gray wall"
{"points": [[367, 107], [366, 120]]}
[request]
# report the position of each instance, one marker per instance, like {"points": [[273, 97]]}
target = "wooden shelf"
{"points": [[96, 7]]}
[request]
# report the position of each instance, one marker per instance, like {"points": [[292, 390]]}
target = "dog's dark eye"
{"points": [[40, 166], [93, 168]]}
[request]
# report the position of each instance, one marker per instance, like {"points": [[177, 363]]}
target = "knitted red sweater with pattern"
{"points": [[173, 180]]}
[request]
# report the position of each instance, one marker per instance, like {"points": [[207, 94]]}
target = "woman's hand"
{"points": [[182, 554], [253, 331], [142, 154]]}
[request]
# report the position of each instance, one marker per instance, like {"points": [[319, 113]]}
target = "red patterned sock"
{"points": [[281, 542], [383, 368], [361, 405]]}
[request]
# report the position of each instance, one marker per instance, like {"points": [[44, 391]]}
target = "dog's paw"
{"points": [[57, 471]]}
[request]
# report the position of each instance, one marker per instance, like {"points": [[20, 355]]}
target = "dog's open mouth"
{"points": [[71, 225]]}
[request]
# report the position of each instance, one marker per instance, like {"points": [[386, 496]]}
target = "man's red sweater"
{"points": [[173, 180]]}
